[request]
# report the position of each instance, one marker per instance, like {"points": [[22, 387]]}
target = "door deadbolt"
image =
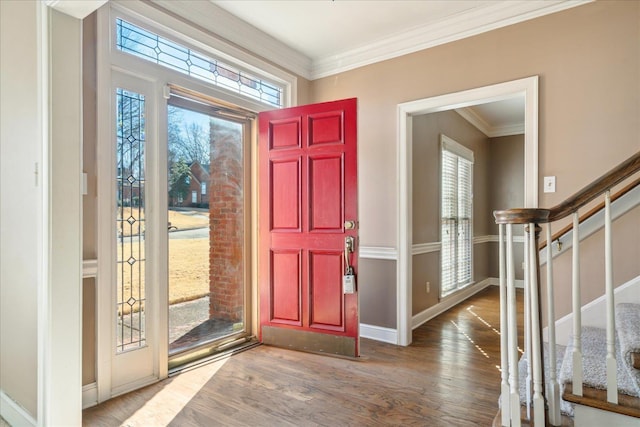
{"points": [[350, 225]]}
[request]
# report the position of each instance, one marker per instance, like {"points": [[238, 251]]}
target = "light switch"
{"points": [[549, 184]]}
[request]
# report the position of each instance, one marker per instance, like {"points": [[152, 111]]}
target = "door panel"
{"points": [[308, 189], [286, 194], [326, 195], [286, 304], [325, 283]]}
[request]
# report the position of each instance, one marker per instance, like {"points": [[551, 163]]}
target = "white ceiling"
{"points": [[499, 118], [323, 28]]}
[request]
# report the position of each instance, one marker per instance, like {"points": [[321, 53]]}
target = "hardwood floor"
{"points": [[449, 376]]}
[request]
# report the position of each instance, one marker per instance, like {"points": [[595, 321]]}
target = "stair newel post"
{"points": [[504, 349], [539, 410], [553, 393], [612, 366], [576, 307], [512, 329]]}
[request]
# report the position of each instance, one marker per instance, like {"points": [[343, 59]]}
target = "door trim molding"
{"points": [[527, 87]]}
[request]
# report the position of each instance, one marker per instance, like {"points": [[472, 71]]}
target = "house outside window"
{"points": [[456, 204]]}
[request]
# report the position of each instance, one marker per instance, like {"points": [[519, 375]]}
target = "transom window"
{"points": [[152, 47], [456, 193]]}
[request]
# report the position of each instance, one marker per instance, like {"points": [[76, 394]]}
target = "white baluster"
{"points": [[553, 386], [513, 333], [527, 330], [504, 349], [612, 368], [536, 362], [577, 315]]}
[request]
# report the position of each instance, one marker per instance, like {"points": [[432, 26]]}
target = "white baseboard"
{"points": [[494, 281], [594, 313], [89, 395], [13, 413], [431, 312], [379, 333]]}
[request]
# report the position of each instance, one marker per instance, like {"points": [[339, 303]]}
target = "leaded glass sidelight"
{"points": [[130, 220]]}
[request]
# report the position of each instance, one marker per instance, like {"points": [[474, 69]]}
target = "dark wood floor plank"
{"points": [[449, 376]]}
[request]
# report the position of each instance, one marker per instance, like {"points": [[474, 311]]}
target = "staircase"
{"points": [[595, 379]]}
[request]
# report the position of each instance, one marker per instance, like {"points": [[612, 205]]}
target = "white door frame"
{"points": [[527, 87]]}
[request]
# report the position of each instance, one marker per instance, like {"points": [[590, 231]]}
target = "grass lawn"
{"points": [[188, 261], [183, 219]]}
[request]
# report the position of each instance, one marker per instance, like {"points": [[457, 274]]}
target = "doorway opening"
{"points": [[526, 89], [208, 233]]}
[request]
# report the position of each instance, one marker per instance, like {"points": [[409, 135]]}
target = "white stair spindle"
{"points": [[553, 387], [536, 362], [612, 368], [514, 407], [527, 330], [577, 314], [504, 349]]}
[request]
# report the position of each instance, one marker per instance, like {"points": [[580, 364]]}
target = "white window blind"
{"points": [[456, 193]]}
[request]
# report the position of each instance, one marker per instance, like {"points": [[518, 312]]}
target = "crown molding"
{"points": [[451, 29], [238, 32], [490, 131]]}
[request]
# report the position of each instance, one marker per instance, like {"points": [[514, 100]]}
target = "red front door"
{"points": [[308, 210]]}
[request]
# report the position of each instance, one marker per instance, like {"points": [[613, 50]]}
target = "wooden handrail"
{"points": [[591, 212], [576, 201]]}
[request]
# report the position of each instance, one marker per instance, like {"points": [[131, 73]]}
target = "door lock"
{"points": [[350, 225]]}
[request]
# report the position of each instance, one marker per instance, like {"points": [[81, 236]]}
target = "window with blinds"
{"points": [[456, 201]]}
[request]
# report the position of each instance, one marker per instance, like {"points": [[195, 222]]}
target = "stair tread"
{"points": [[627, 405], [594, 352]]}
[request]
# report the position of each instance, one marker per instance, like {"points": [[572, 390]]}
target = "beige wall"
{"points": [[380, 301], [506, 181], [21, 203], [626, 263], [588, 60], [506, 175]]}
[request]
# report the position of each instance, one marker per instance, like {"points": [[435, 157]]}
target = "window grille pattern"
{"points": [[152, 47], [130, 220], [457, 224]]}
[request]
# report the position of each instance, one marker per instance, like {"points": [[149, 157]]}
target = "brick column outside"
{"points": [[226, 224]]}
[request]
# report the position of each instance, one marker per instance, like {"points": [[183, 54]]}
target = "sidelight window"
{"points": [[456, 201], [130, 220]]}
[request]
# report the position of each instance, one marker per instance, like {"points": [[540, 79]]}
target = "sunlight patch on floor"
{"points": [[484, 353], [163, 407]]}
